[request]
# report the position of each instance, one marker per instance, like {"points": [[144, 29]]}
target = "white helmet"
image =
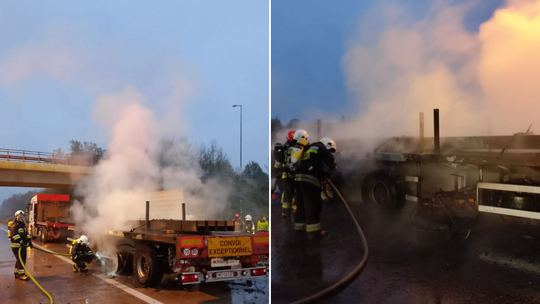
{"points": [[300, 134], [19, 215], [329, 144], [248, 217], [83, 240]]}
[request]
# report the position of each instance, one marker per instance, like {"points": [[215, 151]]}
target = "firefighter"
{"points": [[262, 225], [299, 140], [237, 223], [249, 227], [81, 254], [20, 239], [317, 164], [279, 159]]}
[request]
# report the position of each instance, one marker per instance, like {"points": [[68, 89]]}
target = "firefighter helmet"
{"points": [[83, 240], [300, 134], [329, 144], [19, 215], [248, 217], [237, 216], [290, 135]]}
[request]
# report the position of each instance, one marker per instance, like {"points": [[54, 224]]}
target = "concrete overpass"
{"points": [[19, 168]]}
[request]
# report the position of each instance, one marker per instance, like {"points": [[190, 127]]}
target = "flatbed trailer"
{"points": [[478, 174], [196, 251]]}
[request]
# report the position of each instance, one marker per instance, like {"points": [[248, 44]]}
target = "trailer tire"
{"points": [[147, 267], [43, 235], [384, 189], [125, 263]]}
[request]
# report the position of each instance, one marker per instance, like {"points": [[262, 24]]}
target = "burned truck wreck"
{"points": [[454, 179]]}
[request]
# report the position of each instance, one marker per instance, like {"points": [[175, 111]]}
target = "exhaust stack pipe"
{"points": [[147, 216], [436, 137], [184, 211]]}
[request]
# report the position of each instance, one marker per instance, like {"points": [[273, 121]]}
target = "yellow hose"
{"points": [[31, 277], [50, 252]]}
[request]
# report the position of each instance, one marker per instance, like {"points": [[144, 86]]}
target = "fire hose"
{"points": [[30, 275], [355, 272]]}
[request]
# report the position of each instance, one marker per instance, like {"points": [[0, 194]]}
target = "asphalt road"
{"points": [[498, 263], [56, 276]]}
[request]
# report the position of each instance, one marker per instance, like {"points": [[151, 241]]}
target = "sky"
{"points": [[62, 62], [310, 39]]}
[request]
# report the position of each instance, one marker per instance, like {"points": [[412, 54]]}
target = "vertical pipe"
{"points": [[437, 145], [421, 141], [319, 127], [147, 216], [240, 140], [184, 211]]}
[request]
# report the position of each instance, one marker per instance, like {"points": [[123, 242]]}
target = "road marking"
{"points": [[507, 261], [116, 284]]}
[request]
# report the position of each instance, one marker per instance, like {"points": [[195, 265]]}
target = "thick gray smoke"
{"points": [[140, 160], [483, 83]]}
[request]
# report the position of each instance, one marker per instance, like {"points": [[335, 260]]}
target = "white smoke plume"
{"points": [[139, 161], [484, 83]]}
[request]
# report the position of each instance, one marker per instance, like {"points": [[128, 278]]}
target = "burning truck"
{"points": [[453, 179], [197, 251]]}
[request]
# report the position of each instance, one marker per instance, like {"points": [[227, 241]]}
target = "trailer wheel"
{"points": [[384, 189], [147, 269], [43, 234], [125, 263]]}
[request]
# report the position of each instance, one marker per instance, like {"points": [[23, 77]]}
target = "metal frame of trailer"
{"points": [[497, 153]]}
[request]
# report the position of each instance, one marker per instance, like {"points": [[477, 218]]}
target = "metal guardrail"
{"points": [[13, 155]]}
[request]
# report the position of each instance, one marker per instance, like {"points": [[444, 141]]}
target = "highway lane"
{"points": [[56, 276], [499, 262]]}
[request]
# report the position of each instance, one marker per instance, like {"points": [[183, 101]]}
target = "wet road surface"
{"points": [[56, 276], [498, 263]]}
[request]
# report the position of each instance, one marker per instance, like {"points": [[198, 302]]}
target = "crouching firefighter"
{"points": [[81, 254], [317, 163], [20, 239]]}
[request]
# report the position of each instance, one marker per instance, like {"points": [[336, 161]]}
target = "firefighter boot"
{"points": [[16, 273], [316, 234], [23, 277], [75, 269]]}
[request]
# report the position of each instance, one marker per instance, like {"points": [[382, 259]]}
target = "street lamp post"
{"points": [[240, 137]]}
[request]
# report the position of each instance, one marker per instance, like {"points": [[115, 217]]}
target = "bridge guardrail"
{"points": [[25, 156]]}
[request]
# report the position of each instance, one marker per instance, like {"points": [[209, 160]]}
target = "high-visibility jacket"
{"points": [[249, 227], [77, 249], [263, 226], [316, 163], [18, 234]]}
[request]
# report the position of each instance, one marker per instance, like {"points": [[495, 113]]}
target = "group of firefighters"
{"points": [[303, 168], [248, 226], [20, 239]]}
